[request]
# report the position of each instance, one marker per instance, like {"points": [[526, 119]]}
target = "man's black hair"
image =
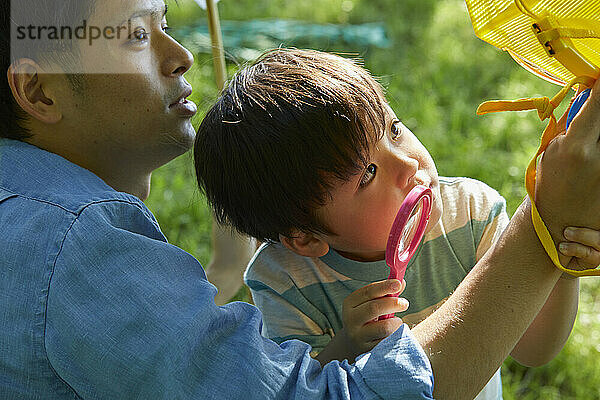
{"points": [[60, 13]]}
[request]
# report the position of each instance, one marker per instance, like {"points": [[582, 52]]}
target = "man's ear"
{"points": [[28, 85], [305, 244]]}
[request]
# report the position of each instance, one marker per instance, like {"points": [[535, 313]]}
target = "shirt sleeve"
{"points": [[495, 224], [287, 313], [284, 320], [130, 316]]}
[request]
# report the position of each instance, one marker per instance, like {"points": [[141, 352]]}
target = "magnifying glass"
{"points": [[407, 231], [576, 106]]}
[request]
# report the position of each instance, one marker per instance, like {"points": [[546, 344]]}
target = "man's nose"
{"points": [[177, 60]]}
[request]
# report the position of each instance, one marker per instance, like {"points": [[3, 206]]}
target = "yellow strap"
{"points": [[563, 32], [559, 31], [545, 108]]}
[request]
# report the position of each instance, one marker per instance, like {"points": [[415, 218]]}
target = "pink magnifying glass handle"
{"points": [[407, 231]]}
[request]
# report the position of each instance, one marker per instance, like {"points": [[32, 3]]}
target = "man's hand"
{"points": [[361, 309], [568, 181], [583, 245]]}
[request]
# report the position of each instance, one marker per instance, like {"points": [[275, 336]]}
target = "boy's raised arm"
{"points": [[474, 331]]}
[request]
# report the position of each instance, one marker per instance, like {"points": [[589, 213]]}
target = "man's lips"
{"points": [[182, 97], [183, 106]]}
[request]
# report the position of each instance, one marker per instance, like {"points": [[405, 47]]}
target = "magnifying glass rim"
{"points": [[397, 266], [417, 194]]}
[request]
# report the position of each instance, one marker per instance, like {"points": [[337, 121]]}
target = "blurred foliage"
{"points": [[436, 73], [246, 39]]}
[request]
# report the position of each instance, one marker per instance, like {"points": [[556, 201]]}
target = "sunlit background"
{"points": [[436, 73]]}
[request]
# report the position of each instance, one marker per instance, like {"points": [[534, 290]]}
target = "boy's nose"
{"points": [[406, 168]]}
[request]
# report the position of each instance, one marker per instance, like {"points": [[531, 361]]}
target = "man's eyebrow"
{"points": [[154, 12]]}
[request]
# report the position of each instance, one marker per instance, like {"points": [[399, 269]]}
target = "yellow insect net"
{"points": [[555, 39], [558, 40]]}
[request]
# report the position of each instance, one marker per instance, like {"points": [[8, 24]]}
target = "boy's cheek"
{"points": [[361, 238], [375, 235]]}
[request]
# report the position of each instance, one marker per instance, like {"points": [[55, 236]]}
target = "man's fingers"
{"points": [[587, 256], [585, 236], [374, 291], [576, 264]]}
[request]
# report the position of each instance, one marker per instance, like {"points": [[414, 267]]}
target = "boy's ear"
{"points": [[305, 244], [27, 83]]}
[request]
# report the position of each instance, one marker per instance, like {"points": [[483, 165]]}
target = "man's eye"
{"points": [[167, 29], [368, 175], [140, 35], [396, 130]]}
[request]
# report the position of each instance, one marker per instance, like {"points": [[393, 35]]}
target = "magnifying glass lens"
{"points": [[407, 231], [410, 229]]}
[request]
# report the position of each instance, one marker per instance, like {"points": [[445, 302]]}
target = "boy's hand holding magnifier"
{"points": [[368, 313]]}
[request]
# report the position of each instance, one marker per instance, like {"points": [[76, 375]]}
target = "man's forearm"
{"points": [[471, 334], [551, 328]]}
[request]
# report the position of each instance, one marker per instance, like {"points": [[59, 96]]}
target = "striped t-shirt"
{"points": [[301, 297]]}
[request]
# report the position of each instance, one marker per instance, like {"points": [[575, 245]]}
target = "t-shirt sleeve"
{"points": [[287, 313], [130, 316], [488, 233]]}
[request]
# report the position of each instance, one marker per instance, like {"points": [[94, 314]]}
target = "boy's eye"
{"points": [[368, 175], [396, 130]]}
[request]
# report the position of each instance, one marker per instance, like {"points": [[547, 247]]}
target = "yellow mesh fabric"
{"points": [[507, 24], [558, 40]]}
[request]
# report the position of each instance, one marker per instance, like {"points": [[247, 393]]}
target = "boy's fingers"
{"points": [[370, 310], [586, 255], [373, 291], [585, 236], [375, 331]]}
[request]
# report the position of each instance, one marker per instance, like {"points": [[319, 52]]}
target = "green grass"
{"points": [[575, 373], [436, 74]]}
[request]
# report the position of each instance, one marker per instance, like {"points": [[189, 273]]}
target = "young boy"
{"points": [[303, 152]]}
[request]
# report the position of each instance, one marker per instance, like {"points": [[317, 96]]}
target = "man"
{"points": [[99, 305], [96, 304]]}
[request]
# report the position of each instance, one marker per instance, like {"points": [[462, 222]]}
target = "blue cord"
{"points": [[577, 104]]}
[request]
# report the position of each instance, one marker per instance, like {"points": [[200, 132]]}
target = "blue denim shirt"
{"points": [[96, 304]]}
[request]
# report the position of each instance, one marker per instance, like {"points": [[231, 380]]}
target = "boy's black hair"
{"points": [[284, 131], [60, 13]]}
